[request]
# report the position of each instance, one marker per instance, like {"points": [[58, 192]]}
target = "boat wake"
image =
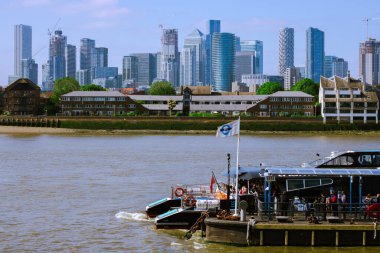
{"points": [[131, 216]]}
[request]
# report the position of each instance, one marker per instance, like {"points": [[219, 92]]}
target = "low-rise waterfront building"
{"points": [[346, 100], [22, 97], [98, 103]]}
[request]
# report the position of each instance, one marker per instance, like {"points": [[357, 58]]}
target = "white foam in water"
{"points": [[131, 216], [175, 244], [198, 245]]}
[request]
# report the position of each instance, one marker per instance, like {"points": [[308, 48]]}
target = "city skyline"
{"points": [[127, 28]]}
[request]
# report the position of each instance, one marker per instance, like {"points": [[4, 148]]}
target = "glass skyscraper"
{"points": [[315, 53], [223, 61], [57, 56], [212, 26], [196, 47], [87, 48], [257, 47], [71, 60], [170, 56], [369, 61], [23, 46], [146, 68], [286, 50]]}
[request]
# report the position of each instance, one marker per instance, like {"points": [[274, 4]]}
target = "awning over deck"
{"points": [[294, 172]]}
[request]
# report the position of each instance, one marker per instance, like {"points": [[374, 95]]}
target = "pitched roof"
{"points": [[291, 94], [94, 94], [23, 81]]}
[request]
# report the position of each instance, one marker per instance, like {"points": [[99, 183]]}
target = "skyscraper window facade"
{"points": [[146, 68], [29, 70], [57, 56], [315, 53], [286, 50], [22, 47], [87, 48], [223, 61], [369, 60], [130, 69], [257, 47], [212, 26], [170, 56], [244, 64], [71, 60], [196, 42]]}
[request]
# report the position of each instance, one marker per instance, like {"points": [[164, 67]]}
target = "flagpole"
{"points": [[237, 170]]}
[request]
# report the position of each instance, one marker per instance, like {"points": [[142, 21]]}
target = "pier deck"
{"points": [[298, 233]]}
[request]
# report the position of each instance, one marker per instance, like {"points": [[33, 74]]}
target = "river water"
{"points": [[88, 193]]}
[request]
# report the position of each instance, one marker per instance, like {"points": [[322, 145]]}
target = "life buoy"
{"points": [[178, 192], [190, 201]]}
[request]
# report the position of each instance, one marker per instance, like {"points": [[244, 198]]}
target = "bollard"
{"points": [[243, 210]]}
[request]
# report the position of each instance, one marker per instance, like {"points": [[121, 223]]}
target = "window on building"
{"points": [[263, 106], [329, 96], [131, 106]]}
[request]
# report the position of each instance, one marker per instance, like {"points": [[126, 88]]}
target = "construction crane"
{"points": [[367, 21], [50, 31]]}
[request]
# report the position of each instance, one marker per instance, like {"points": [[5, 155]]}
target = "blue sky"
{"points": [[126, 26]]}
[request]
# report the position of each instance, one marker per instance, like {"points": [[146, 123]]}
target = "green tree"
{"points": [[308, 86], [171, 105], [161, 88], [92, 87], [269, 88], [63, 86]]}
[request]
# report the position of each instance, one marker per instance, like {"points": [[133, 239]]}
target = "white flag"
{"points": [[229, 129]]}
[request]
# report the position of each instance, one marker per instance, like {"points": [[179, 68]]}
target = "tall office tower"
{"points": [[100, 57], [291, 77], [130, 69], [57, 56], [329, 66], [237, 44], [340, 67], [244, 64], [286, 50], [87, 48], [29, 69], [83, 76], [23, 46], [212, 26], [223, 61], [45, 76], [257, 47], [315, 53], [146, 68], [187, 66], [369, 57], [158, 66], [196, 41], [170, 56], [71, 60]]}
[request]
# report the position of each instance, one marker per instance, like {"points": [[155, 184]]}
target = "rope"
{"points": [[196, 225], [250, 224]]}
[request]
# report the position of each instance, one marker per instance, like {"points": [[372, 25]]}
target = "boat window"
{"points": [[299, 184], [343, 160], [365, 159], [376, 160]]}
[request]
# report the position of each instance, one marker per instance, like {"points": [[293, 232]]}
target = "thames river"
{"points": [[88, 193]]}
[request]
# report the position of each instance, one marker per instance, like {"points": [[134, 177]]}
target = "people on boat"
{"points": [[343, 201], [366, 203], [243, 190], [334, 203]]}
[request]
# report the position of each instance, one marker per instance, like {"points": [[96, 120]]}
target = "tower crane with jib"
{"points": [[49, 34], [366, 20]]}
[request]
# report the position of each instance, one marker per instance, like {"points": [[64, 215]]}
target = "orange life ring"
{"points": [[178, 192], [190, 201]]}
